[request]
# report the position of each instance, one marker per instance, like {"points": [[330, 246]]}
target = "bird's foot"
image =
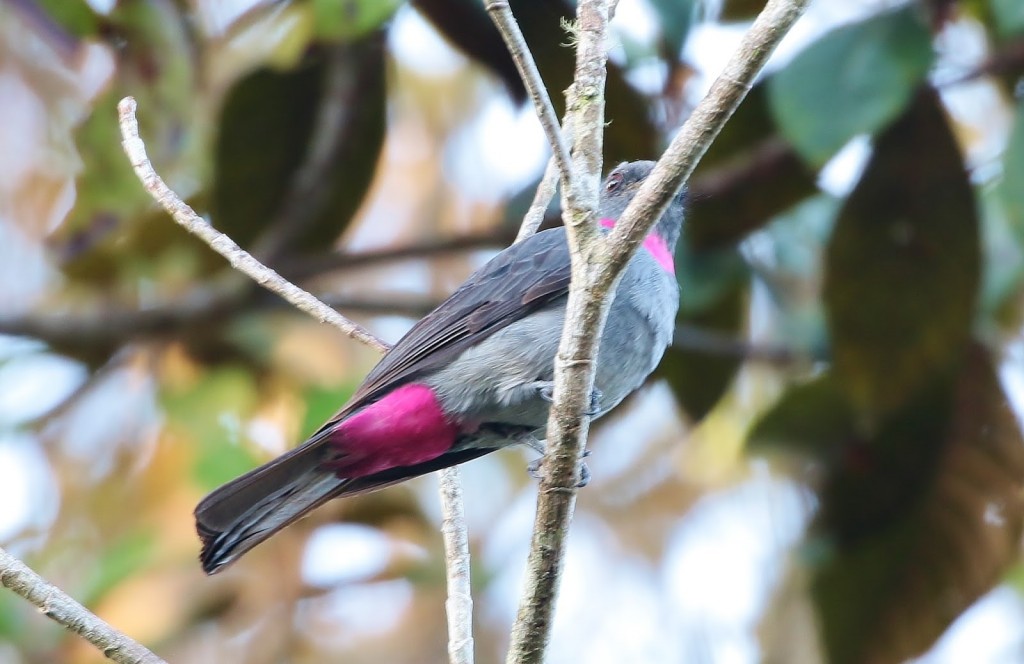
{"points": [[534, 470], [546, 390]]}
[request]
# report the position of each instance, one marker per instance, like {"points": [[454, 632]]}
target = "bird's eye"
{"points": [[614, 182]]}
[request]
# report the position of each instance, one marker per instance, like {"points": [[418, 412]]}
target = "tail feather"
{"points": [[248, 510]]}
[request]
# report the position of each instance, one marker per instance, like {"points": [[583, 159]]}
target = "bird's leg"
{"points": [[533, 468], [546, 390]]}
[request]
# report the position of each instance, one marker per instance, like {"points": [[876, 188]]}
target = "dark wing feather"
{"points": [[521, 279]]}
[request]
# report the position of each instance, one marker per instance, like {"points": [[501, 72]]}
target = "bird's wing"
{"points": [[521, 279]]}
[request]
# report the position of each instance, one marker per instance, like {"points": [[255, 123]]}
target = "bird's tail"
{"points": [[246, 511]]}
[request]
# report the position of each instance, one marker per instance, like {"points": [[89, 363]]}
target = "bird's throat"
{"points": [[655, 246]]}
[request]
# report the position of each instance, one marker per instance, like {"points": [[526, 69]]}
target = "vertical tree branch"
{"points": [[586, 310], [61, 608], [597, 267], [458, 570]]}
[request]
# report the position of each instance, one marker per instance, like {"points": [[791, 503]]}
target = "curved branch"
{"points": [[239, 259], [61, 608], [454, 531]]}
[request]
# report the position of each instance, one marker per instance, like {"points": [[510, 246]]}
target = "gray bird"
{"points": [[473, 376]]}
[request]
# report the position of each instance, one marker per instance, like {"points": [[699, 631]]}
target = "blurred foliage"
{"points": [[851, 278]]}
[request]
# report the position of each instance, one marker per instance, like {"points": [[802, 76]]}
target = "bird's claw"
{"points": [[533, 469]]}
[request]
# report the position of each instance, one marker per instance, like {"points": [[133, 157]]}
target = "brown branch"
{"points": [[586, 311], [61, 608], [597, 266], [104, 329], [308, 266]]}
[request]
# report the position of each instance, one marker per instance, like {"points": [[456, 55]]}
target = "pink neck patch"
{"points": [[655, 246]]}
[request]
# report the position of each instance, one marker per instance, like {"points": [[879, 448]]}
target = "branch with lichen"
{"points": [[598, 264]]}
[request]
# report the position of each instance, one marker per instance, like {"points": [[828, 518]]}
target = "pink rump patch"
{"points": [[404, 428], [655, 246]]}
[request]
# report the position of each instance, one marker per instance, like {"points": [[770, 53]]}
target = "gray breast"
{"points": [[497, 380]]}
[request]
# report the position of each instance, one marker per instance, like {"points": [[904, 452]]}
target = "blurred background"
{"points": [[828, 465]]}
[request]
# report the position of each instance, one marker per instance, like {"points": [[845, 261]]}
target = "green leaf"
{"points": [[924, 524], [212, 410], [812, 418], [75, 16], [1003, 267], [1011, 189], [741, 10], [123, 558], [221, 460], [675, 18], [853, 80], [321, 404], [1009, 16], [748, 175], [108, 235], [271, 126], [265, 128], [347, 20], [631, 132], [903, 264], [713, 299]]}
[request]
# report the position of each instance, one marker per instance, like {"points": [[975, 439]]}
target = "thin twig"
{"points": [[454, 530], [239, 259], [61, 608], [541, 200], [459, 605], [501, 14], [307, 266], [597, 266]]}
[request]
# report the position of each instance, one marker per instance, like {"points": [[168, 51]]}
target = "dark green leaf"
{"points": [[675, 18], [1011, 189], [265, 129], [348, 20], [631, 132], [741, 10], [853, 80], [928, 521], [272, 128], [902, 267], [1009, 15], [713, 298], [813, 418]]}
